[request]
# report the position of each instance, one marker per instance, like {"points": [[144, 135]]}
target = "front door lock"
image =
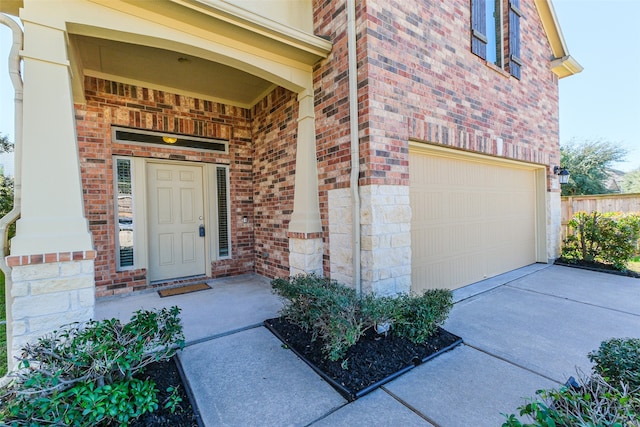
{"points": [[201, 230]]}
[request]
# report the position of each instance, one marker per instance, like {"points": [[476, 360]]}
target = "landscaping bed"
{"points": [[374, 360], [596, 266], [166, 375]]}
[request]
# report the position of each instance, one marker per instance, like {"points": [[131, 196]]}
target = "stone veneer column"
{"points": [[385, 238], [554, 225], [47, 291], [305, 227]]}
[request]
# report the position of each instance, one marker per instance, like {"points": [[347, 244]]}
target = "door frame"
{"points": [[141, 213]]}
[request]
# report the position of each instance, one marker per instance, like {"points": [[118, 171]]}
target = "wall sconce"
{"points": [[170, 139], [563, 174]]}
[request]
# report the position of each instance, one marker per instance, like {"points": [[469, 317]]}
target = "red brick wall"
{"points": [[426, 84], [417, 79], [112, 103], [274, 129]]}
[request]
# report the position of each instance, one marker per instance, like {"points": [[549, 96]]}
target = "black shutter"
{"points": [[514, 38], [479, 28]]}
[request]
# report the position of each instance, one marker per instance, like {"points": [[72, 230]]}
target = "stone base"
{"points": [[385, 251], [305, 254], [42, 296]]}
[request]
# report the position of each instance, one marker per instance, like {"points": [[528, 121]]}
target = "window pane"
{"points": [[494, 36], [223, 214], [125, 213]]}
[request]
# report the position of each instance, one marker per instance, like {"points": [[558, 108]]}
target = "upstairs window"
{"points": [[490, 35]]}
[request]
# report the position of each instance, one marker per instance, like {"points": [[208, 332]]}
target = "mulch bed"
{"points": [[166, 374], [596, 266], [371, 362]]}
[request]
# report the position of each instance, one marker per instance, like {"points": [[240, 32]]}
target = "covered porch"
{"points": [[209, 91]]}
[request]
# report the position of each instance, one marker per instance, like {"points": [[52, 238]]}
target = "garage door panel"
{"points": [[470, 220]]}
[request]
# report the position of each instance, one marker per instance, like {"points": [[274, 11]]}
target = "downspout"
{"points": [[16, 80], [14, 214], [355, 148]]}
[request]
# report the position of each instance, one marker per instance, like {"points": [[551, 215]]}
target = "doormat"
{"points": [[183, 290]]}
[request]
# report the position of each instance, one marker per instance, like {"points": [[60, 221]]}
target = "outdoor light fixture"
{"points": [[170, 139], [563, 174]]}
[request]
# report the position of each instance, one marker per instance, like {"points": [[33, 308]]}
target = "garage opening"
{"points": [[473, 216]]}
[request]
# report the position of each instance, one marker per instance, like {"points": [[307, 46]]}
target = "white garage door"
{"points": [[473, 217]]}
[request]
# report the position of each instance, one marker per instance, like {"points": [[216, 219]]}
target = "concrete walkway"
{"points": [[524, 330]]}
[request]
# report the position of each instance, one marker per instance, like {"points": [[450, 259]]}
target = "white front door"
{"points": [[176, 211]]}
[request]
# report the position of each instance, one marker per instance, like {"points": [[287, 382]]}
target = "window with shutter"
{"points": [[515, 63], [222, 184], [479, 28]]}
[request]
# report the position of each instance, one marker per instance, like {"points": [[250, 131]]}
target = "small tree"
{"points": [[631, 182], [608, 238], [588, 161]]}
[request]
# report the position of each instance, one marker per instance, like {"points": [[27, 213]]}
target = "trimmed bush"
{"points": [[332, 312], [609, 238], [418, 317], [325, 308], [618, 360], [82, 374]]}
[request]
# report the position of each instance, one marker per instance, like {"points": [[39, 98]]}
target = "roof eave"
{"points": [[562, 64]]}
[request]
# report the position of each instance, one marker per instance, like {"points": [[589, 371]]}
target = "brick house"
{"points": [[169, 141]]}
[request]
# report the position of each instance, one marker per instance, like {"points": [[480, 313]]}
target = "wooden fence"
{"points": [[601, 203]]}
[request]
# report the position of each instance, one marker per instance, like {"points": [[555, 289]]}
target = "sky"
{"points": [[601, 102]]}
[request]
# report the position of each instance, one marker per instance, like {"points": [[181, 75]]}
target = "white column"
{"points": [[305, 228], [52, 218], [306, 206]]}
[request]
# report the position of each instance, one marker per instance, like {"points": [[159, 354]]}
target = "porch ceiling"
{"points": [[168, 70]]}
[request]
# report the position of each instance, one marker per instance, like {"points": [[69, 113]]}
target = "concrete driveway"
{"points": [[524, 330]]}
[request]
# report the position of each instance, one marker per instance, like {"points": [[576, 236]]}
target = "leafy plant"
{"points": [[610, 238], [609, 397], [418, 317], [618, 360], [83, 374], [595, 403], [172, 402], [325, 308], [332, 312]]}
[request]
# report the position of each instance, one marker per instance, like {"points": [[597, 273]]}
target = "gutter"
{"points": [[355, 147]]}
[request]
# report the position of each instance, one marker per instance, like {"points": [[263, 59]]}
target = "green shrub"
{"points": [[82, 374], [332, 311], [418, 317], [610, 238], [595, 403], [609, 397], [325, 308], [618, 360]]}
